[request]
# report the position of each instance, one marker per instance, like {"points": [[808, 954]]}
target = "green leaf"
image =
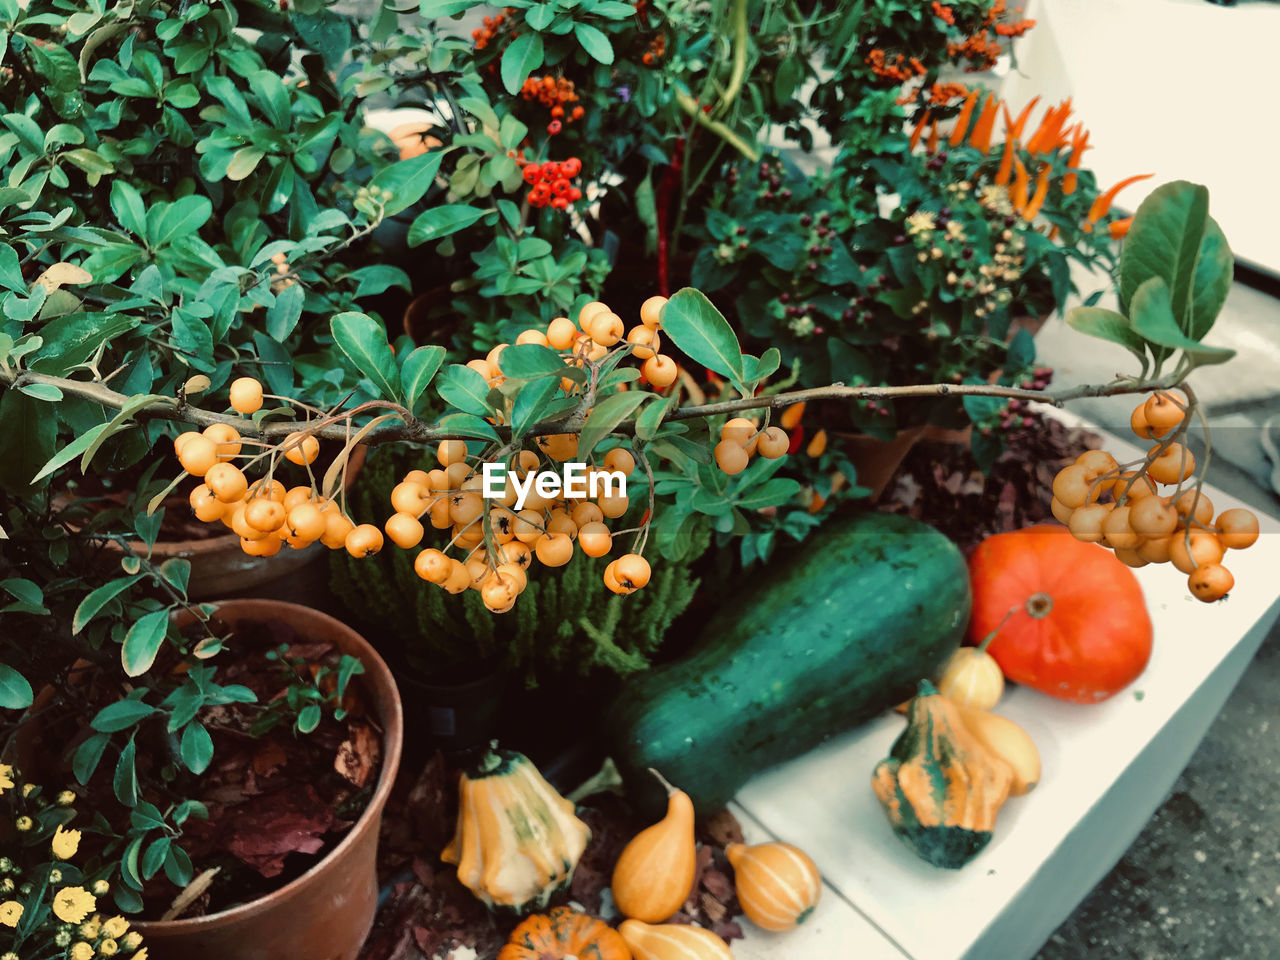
{"points": [[702, 332], [130, 211], [409, 180], [1151, 311], [651, 417], [308, 718], [272, 97], [125, 781], [540, 15], [42, 391], [1164, 241], [530, 403], [283, 315], [442, 221], [772, 493], [28, 440], [181, 219], [763, 368], [1108, 325], [464, 389], [594, 42], [142, 642], [521, 58], [527, 361], [64, 456], [121, 715], [243, 162], [364, 341], [1215, 271], [15, 691], [197, 748], [96, 600], [420, 368], [88, 755], [154, 858], [468, 425], [605, 416]]}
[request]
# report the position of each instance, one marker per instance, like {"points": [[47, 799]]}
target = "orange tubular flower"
{"points": [[1079, 144], [1006, 161], [1042, 190], [1120, 228], [980, 139], [1018, 193], [919, 129], [932, 145], [962, 121], [1104, 201], [1048, 135], [1014, 130]]}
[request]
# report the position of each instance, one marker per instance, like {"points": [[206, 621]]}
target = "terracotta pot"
{"points": [[326, 913], [934, 434], [219, 568], [878, 460]]}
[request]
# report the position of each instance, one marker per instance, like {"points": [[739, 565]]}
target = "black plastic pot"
{"points": [[453, 714]]}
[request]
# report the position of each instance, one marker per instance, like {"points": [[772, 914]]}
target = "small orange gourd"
{"points": [[777, 884], [564, 934], [672, 941], [655, 871]]}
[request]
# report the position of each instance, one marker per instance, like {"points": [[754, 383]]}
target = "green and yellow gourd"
{"points": [[940, 787], [517, 841]]}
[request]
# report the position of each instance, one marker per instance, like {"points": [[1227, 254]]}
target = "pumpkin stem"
{"points": [[490, 761], [1039, 605]]}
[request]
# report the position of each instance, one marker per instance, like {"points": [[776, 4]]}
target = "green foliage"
{"points": [[1174, 277], [565, 622]]}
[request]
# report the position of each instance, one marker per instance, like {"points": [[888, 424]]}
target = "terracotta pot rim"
{"points": [[377, 674]]}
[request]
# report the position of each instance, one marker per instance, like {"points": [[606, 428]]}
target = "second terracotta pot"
{"points": [[878, 460], [326, 913]]}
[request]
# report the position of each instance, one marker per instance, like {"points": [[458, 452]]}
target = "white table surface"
{"points": [[1106, 768]]}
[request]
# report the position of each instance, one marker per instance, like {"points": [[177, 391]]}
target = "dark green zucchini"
{"points": [[811, 646]]}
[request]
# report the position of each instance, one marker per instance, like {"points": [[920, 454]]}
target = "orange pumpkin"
{"points": [[1069, 618], [564, 933], [413, 139], [672, 941]]}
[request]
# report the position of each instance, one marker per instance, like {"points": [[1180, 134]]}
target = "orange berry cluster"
{"points": [[497, 543], [551, 183], [484, 36], [900, 69], [657, 50], [741, 439], [553, 93], [282, 268], [265, 514], [1141, 524]]}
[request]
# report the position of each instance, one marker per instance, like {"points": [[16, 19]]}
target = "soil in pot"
{"points": [[278, 801]]}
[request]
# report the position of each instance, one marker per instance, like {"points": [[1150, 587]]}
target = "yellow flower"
{"points": [[9, 956], [920, 222], [28, 789], [73, 904], [24, 824], [65, 843], [66, 798], [6, 777], [91, 929], [82, 951], [141, 954], [132, 940], [108, 948], [10, 913], [115, 927]]}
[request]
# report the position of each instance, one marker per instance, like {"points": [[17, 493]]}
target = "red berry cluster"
{"points": [[551, 182], [554, 93]]}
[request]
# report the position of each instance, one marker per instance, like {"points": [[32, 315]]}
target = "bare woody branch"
{"points": [[415, 430]]}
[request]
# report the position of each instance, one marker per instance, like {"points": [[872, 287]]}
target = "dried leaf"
{"points": [[63, 274], [267, 829], [358, 756]]}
